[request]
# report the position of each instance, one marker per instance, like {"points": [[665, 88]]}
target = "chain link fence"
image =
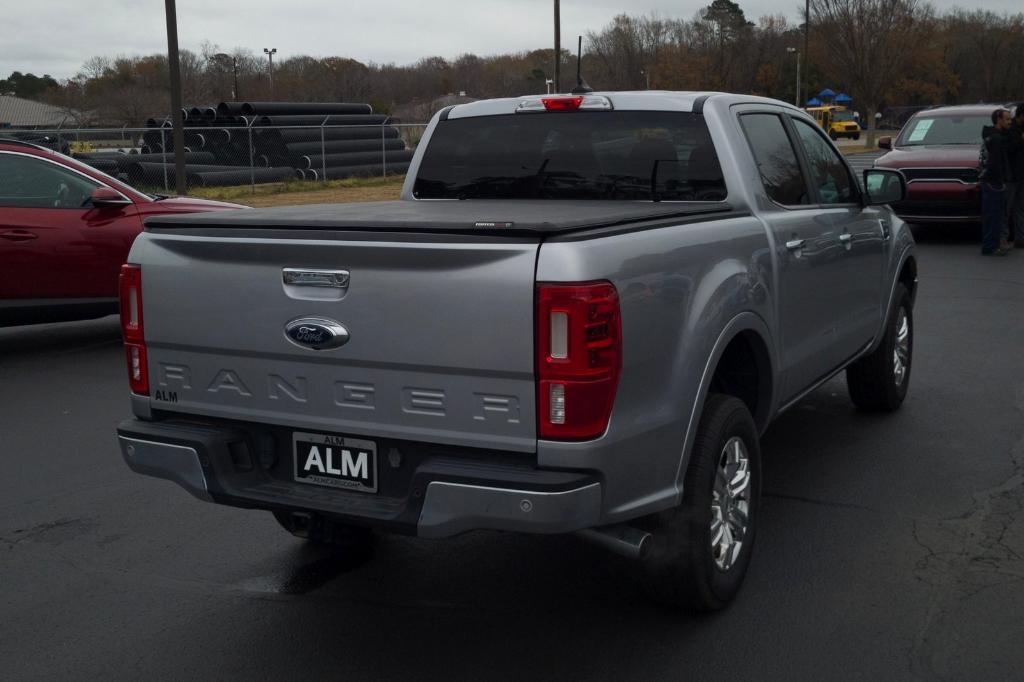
{"points": [[241, 155]]}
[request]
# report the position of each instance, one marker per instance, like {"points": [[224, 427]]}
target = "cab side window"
{"points": [[26, 182], [828, 172], [776, 159]]}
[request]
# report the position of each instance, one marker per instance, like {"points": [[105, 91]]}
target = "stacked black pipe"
{"points": [[235, 143]]}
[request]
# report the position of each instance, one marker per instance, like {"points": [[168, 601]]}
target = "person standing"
{"points": [[1015, 194], [995, 172]]}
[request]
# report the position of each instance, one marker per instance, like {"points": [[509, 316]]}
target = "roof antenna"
{"points": [[582, 87]]}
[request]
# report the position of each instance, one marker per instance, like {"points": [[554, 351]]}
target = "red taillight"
{"points": [[562, 103], [579, 354], [132, 329]]}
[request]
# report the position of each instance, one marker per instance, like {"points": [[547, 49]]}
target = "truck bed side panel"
{"points": [[679, 287]]}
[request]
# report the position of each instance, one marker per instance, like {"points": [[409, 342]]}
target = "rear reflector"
{"points": [[579, 356], [132, 328]]}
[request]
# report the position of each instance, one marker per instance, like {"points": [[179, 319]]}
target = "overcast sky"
{"points": [[57, 36]]}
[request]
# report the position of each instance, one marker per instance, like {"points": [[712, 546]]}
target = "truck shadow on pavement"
{"points": [[59, 338], [566, 607]]}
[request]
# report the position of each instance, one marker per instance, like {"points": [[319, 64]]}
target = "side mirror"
{"points": [[884, 186], [885, 142], [104, 197]]}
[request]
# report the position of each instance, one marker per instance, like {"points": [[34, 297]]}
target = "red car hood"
{"points": [[187, 205], [931, 156]]}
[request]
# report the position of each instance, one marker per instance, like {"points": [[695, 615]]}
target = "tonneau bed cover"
{"points": [[490, 217]]}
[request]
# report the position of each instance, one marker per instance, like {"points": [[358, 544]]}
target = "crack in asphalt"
{"points": [[53, 532], [959, 278], [967, 555], [821, 503]]}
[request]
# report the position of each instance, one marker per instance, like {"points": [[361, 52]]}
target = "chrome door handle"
{"points": [[795, 244], [19, 235], [846, 237]]}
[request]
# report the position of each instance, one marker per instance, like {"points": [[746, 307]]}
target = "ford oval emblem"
{"points": [[316, 333]]}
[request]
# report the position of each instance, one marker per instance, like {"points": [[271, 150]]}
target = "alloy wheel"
{"points": [[730, 503]]}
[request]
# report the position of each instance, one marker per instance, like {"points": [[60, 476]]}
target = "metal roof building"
{"points": [[19, 113]]}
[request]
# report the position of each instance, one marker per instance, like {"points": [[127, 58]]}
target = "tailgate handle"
{"points": [[304, 277]]}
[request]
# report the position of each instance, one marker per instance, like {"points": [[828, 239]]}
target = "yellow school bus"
{"points": [[836, 121]]}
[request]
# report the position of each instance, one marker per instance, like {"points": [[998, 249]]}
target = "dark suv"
{"points": [[937, 150]]}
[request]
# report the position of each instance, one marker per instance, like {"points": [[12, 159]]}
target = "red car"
{"points": [[937, 151], [65, 230]]}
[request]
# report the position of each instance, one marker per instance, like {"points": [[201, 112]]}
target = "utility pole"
{"points": [[807, 44], [177, 122], [558, 46], [270, 55], [223, 56]]}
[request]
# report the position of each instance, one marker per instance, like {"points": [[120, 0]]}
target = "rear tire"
{"points": [[879, 382], [701, 549], [320, 531]]}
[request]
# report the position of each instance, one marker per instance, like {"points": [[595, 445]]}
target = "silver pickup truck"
{"points": [[579, 318]]}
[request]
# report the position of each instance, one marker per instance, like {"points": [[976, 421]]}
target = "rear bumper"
{"points": [[435, 496]]}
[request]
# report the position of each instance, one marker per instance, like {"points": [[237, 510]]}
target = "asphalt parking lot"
{"points": [[891, 547]]}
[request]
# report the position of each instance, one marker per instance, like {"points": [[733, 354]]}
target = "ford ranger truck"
{"points": [[579, 318]]}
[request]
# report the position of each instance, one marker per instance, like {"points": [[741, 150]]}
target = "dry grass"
{"points": [[294, 193], [846, 151]]}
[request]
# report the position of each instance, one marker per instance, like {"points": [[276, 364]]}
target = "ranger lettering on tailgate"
{"points": [[422, 401]]}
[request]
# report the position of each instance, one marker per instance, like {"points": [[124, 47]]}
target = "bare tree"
{"points": [[869, 44], [96, 67]]}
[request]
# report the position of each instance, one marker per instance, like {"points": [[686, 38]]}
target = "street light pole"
{"points": [[270, 56], [797, 79], [177, 123], [796, 98]]}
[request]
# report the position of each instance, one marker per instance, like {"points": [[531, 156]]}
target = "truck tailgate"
{"points": [[441, 344]]}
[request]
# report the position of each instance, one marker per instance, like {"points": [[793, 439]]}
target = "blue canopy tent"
{"points": [[814, 102], [827, 94], [843, 98]]}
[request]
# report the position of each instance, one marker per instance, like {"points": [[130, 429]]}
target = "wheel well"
{"points": [[908, 277], [744, 371]]}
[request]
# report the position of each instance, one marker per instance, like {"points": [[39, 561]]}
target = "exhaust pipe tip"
{"points": [[620, 539]]}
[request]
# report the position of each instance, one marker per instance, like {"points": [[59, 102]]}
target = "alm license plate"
{"points": [[335, 461]]}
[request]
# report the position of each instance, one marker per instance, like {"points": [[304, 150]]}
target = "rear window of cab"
{"points": [[612, 155]]}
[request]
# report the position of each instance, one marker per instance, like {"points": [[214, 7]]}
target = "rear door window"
{"points": [[776, 159], [828, 172], [618, 155]]}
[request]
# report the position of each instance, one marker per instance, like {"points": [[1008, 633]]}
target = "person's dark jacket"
{"points": [[996, 169], [1016, 151]]}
